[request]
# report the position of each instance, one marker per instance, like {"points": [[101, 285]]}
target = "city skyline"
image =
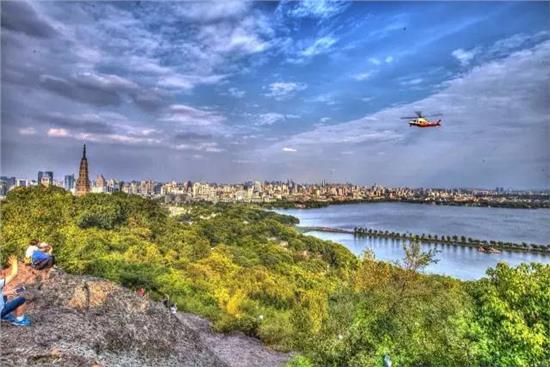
{"points": [[232, 92]]}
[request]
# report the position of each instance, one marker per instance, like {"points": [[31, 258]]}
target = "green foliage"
{"points": [[511, 326], [245, 268], [412, 317], [33, 213], [249, 269], [99, 213], [300, 361]]}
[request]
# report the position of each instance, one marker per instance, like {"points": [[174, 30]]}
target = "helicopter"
{"points": [[421, 121]]}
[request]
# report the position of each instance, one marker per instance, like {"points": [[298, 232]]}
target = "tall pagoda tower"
{"points": [[83, 182]]}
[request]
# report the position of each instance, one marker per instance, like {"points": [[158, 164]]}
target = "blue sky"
{"points": [[233, 91]]}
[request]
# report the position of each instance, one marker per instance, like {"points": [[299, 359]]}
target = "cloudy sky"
{"points": [[311, 90]]}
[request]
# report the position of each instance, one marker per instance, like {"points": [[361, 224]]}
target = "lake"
{"points": [[500, 224]]}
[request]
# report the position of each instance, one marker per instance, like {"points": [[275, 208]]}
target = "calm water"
{"points": [[514, 225]]}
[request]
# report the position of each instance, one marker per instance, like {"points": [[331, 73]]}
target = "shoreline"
{"points": [[482, 245], [473, 204]]}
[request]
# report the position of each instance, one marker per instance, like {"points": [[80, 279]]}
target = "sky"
{"points": [[309, 91]]}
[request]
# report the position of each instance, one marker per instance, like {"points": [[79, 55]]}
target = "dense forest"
{"points": [[249, 269]]}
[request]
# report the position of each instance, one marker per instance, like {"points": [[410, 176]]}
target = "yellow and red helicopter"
{"points": [[422, 121]]}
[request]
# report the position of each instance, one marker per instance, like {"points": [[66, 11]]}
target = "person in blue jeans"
{"points": [[39, 255], [14, 306]]}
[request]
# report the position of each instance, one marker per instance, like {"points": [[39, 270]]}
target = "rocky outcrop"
{"points": [[86, 321], [235, 349]]}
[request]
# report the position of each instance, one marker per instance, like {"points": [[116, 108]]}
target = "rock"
{"points": [[235, 349], [87, 321]]}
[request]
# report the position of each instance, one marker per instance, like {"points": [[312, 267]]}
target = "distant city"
{"points": [[297, 194]]}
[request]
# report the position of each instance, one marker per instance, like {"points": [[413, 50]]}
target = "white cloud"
{"points": [[58, 133], [187, 82], [411, 82], [269, 118], [118, 137], [326, 98], [147, 132], [109, 81], [389, 59], [185, 119], [212, 11], [320, 46], [236, 92], [314, 8], [505, 46], [282, 90], [208, 147], [242, 41], [463, 56], [289, 150], [27, 131], [222, 39], [374, 60], [185, 115], [363, 76], [325, 119]]}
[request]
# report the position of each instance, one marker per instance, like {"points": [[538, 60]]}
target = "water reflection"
{"points": [[461, 262]]}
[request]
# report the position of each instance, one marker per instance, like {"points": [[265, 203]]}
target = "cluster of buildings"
{"points": [[267, 192], [292, 192], [80, 186]]}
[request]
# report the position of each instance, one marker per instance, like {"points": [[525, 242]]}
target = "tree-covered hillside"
{"points": [[248, 269]]}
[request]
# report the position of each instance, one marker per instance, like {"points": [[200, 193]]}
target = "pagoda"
{"points": [[83, 183]]}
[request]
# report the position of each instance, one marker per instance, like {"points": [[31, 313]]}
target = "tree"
{"points": [[415, 259], [511, 323]]}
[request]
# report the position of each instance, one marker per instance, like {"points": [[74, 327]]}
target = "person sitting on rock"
{"points": [[15, 305], [41, 257], [30, 250]]}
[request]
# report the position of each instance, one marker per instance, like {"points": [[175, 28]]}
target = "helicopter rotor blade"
{"points": [[408, 117], [418, 113]]}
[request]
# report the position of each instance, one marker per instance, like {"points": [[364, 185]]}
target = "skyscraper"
{"points": [[83, 183], [100, 184], [45, 178], [68, 183]]}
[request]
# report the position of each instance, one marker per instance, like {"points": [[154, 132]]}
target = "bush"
{"points": [[300, 361]]}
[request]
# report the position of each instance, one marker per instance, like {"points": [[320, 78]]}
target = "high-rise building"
{"points": [[45, 178], [10, 181], [3, 188], [83, 182], [68, 182], [46, 181], [100, 184]]}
